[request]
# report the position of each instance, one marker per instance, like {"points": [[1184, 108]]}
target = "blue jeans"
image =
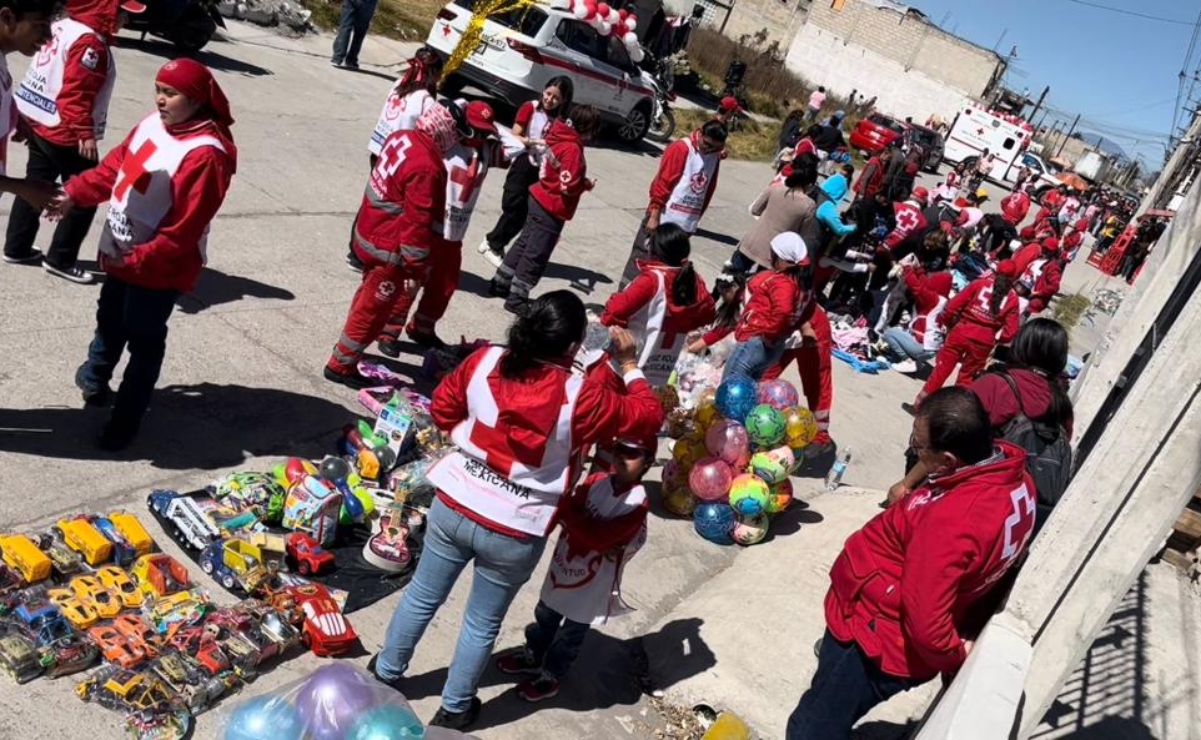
{"points": [[502, 566], [352, 29], [845, 687], [134, 318], [902, 345], [554, 640], [752, 358]]}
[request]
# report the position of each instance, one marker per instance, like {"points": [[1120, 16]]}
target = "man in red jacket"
{"points": [[912, 588], [64, 102], [681, 190], [394, 234], [553, 202], [1039, 282]]}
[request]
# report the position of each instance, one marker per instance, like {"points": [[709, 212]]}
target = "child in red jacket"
{"points": [[663, 304], [553, 201], [814, 364]]}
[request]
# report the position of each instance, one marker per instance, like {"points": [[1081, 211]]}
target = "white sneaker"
{"points": [[494, 259], [907, 366]]}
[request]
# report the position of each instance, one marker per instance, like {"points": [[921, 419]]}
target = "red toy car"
{"points": [[325, 631], [308, 556], [874, 133]]}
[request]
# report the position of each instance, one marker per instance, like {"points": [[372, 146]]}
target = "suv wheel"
{"points": [[635, 126]]}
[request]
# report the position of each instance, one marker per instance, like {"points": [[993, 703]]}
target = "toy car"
{"points": [[19, 658], [137, 632], [124, 690], [307, 555], [160, 575], [170, 612], [123, 552], [184, 519], [116, 581], [325, 631], [234, 563], [25, 558], [132, 530], [115, 648], [10, 582], [67, 655], [82, 537], [66, 561], [196, 691], [275, 627], [59, 650], [79, 613], [200, 645], [91, 591]]}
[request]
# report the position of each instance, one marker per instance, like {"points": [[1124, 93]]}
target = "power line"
{"points": [[1134, 13]]}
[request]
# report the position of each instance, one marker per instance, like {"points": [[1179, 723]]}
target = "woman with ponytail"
{"points": [[521, 421], [979, 318], [663, 304]]}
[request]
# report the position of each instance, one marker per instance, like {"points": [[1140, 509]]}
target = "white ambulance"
{"points": [[977, 129]]}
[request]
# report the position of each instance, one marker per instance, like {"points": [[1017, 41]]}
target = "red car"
{"points": [[307, 555], [875, 132], [325, 631]]}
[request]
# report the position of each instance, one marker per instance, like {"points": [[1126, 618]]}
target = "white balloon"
{"points": [[637, 55], [631, 21], [613, 17], [580, 10], [604, 28], [631, 39]]}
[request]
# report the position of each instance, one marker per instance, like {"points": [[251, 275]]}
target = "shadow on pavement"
{"points": [[582, 279], [216, 287], [213, 60], [719, 238], [790, 521]]}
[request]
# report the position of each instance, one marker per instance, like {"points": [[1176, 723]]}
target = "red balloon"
{"points": [[603, 9], [623, 13]]}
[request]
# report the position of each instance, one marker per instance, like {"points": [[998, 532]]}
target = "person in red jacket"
{"points": [[553, 202], [1026, 256], [24, 29], [164, 185], [63, 101], [910, 590], [682, 189], [663, 304], [1015, 206], [395, 233], [1039, 282], [815, 366], [980, 316], [522, 422], [924, 337]]}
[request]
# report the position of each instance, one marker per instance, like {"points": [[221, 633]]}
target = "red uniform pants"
{"points": [[373, 303], [969, 354], [446, 263], [816, 371]]}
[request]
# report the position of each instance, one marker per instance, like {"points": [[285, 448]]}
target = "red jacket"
{"points": [[927, 292], [871, 179], [906, 583], [82, 81], [1044, 287], [562, 179], [998, 400], [679, 320], [969, 314], [404, 201], [671, 167], [775, 308], [909, 220], [172, 259], [1026, 255], [1015, 206]]}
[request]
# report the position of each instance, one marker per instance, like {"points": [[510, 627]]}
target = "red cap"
{"points": [[479, 116], [1051, 244], [648, 444], [133, 6], [1008, 268], [921, 193], [729, 104]]}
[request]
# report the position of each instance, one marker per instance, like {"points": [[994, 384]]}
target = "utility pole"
{"points": [[1068, 135], [1039, 104]]}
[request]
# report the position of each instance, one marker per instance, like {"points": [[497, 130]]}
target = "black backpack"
{"points": [[1048, 453]]}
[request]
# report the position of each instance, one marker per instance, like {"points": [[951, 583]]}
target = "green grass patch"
{"points": [[753, 140], [405, 20], [1070, 309]]}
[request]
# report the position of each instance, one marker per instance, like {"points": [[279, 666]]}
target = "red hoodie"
{"points": [[969, 314], [1015, 206], [775, 308], [562, 179], [906, 583], [929, 293], [676, 158], [677, 319], [1041, 284]]}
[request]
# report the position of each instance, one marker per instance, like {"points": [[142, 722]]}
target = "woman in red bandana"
{"points": [[164, 185]]}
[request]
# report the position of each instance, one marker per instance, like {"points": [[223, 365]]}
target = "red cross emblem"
{"points": [[698, 182], [465, 178], [133, 170], [445, 29]]}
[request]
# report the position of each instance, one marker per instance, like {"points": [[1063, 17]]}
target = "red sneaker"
{"points": [[516, 662], [539, 689]]}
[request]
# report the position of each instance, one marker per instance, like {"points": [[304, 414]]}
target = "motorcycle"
{"points": [[663, 121], [189, 24]]}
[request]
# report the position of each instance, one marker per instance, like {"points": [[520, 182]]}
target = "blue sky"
{"points": [[1117, 70]]}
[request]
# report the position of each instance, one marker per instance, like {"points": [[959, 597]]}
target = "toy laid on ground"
{"points": [[325, 631], [25, 558], [188, 523]]}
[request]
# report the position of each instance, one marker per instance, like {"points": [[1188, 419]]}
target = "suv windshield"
{"points": [[527, 21], [885, 122]]}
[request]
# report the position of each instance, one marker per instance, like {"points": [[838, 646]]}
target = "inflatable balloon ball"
{"points": [[750, 530], [736, 396], [672, 476], [728, 440], [765, 426], [769, 468], [264, 718], [749, 495], [705, 416], [800, 427], [710, 479], [714, 521], [678, 500], [778, 393], [707, 396], [387, 722], [781, 497], [332, 698], [688, 450]]}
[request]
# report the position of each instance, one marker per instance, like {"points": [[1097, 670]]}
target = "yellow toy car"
{"points": [[23, 556], [82, 537], [116, 581], [133, 531], [80, 614], [91, 591], [159, 574]]}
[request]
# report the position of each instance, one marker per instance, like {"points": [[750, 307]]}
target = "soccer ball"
{"points": [[769, 467], [749, 495], [750, 530], [714, 521], [765, 426], [781, 497]]}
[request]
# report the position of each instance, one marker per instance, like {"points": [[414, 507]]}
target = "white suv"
{"points": [[523, 49]]}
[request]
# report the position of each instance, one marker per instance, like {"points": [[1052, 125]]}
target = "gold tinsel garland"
{"points": [[472, 37]]}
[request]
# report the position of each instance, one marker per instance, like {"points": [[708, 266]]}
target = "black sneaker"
{"points": [[35, 255], [335, 63], [353, 262], [425, 339], [74, 273], [539, 689], [518, 662], [389, 347], [117, 435], [393, 684], [457, 720], [100, 397], [352, 66], [497, 289], [350, 380]]}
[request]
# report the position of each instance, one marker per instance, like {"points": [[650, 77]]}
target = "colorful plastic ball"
{"points": [[769, 468], [707, 396], [334, 469], [765, 426], [736, 396], [672, 476], [728, 440], [678, 500], [264, 718], [710, 479], [714, 521], [688, 450], [778, 393], [750, 530], [800, 427], [749, 495], [332, 697], [387, 722], [705, 416], [781, 497]]}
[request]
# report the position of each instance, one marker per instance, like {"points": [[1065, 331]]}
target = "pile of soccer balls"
{"points": [[730, 467]]}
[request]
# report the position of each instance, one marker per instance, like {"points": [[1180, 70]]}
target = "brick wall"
{"points": [[779, 17]]}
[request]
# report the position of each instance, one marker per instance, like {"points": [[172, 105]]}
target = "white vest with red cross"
{"points": [[521, 495], [686, 203], [660, 348], [37, 97], [142, 194], [1029, 279], [399, 114], [466, 168]]}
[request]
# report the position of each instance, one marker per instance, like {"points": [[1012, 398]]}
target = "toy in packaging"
{"points": [[387, 547], [313, 507], [25, 558], [259, 493]]}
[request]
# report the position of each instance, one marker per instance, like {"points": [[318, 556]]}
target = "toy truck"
{"points": [[133, 531], [234, 563], [82, 537], [160, 575], [184, 519], [25, 558], [307, 555]]}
